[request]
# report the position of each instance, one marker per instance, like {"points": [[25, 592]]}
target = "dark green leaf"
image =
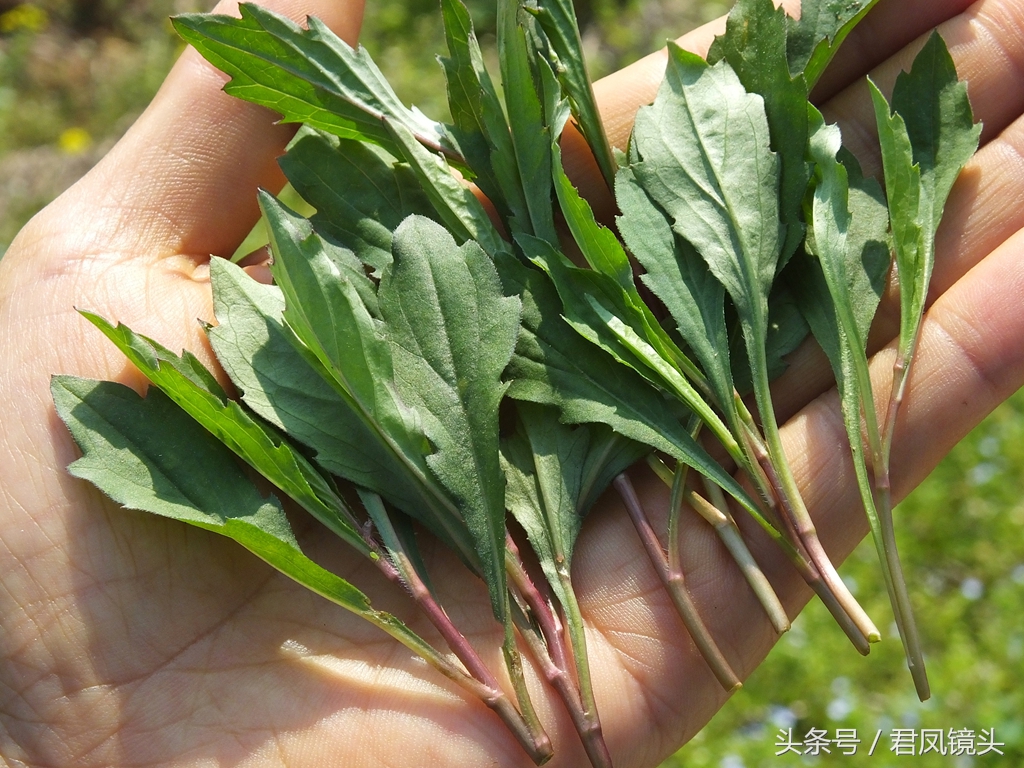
{"points": [[556, 472], [361, 194], [848, 234], [821, 29], [308, 76], [532, 136], [149, 455], [350, 349], [257, 445], [543, 463], [554, 365], [281, 385], [476, 109], [456, 206], [452, 334], [680, 278]]}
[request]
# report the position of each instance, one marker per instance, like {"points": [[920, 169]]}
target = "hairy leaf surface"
{"points": [[452, 333], [754, 44], [703, 155], [351, 350], [286, 388]]}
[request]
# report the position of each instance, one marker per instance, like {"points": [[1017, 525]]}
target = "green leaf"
{"points": [[821, 29], [680, 278], [283, 387], [456, 206], [554, 365], [361, 194], [603, 303], [556, 472], [522, 73], [544, 475], [703, 155], [308, 76], [925, 143], [558, 20], [349, 347], [612, 318], [480, 123], [848, 222], [754, 44], [480, 126], [602, 250], [149, 455], [257, 445], [452, 333], [842, 315]]}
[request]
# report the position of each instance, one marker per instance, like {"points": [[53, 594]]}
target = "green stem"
{"points": [[878, 503], [554, 665], [717, 513], [792, 505]]}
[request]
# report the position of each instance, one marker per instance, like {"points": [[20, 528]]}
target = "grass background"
{"points": [[75, 73]]}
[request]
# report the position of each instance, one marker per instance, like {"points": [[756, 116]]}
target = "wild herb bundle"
{"points": [[425, 365]]}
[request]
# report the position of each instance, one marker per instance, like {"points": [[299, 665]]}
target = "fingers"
{"points": [[184, 177], [987, 46], [882, 32], [985, 206]]}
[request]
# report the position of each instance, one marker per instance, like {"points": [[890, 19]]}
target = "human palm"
{"points": [[130, 640]]}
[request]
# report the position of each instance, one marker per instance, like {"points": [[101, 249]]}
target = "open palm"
{"points": [[130, 640]]}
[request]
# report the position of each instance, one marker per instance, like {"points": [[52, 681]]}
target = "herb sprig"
{"points": [[423, 364]]}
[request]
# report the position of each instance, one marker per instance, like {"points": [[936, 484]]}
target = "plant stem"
{"points": [[717, 513], [881, 509], [800, 527], [579, 702], [673, 580], [398, 568]]}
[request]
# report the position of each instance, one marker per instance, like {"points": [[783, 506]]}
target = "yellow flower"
{"points": [[28, 17], [74, 141]]}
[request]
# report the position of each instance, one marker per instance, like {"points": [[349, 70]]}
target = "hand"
{"points": [[127, 639]]}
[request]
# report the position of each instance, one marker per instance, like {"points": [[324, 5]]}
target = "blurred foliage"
{"points": [[87, 66], [405, 38], [75, 73]]}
